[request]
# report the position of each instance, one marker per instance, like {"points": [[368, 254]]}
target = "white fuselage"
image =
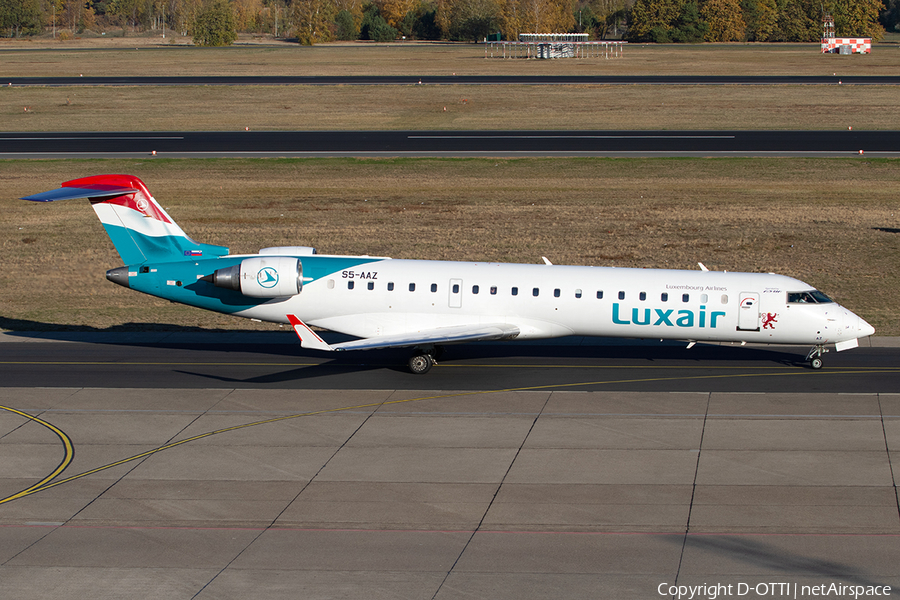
{"points": [[388, 297]]}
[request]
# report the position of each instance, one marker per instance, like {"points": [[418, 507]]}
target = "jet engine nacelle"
{"points": [[261, 277]]}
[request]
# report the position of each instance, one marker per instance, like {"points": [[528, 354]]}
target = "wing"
{"points": [[424, 337]]}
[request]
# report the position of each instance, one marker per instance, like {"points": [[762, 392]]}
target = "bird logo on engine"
{"points": [[267, 277]]}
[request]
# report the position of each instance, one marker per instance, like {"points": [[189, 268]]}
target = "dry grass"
{"points": [[832, 223], [422, 107], [155, 56], [467, 107]]}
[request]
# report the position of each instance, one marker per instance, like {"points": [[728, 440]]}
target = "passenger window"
{"points": [[724, 298], [685, 297], [433, 287], [600, 295], [493, 290], [535, 292], [371, 285], [390, 286], [621, 295], [455, 288], [474, 289], [704, 298], [578, 293], [642, 296], [664, 297], [331, 284], [412, 287], [515, 291], [349, 285], [556, 293]]}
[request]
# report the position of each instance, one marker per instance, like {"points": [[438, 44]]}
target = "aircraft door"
{"points": [[748, 313], [455, 293]]}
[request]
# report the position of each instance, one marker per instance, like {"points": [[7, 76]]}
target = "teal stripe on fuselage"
{"points": [[136, 248], [187, 288]]}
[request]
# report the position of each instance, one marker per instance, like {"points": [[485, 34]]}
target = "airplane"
{"points": [[426, 304]]}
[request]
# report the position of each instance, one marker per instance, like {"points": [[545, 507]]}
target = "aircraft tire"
{"points": [[420, 363], [816, 362]]}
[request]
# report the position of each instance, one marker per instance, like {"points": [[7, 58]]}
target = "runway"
{"points": [[185, 465], [179, 144]]}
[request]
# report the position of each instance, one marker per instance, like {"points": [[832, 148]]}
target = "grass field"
{"points": [[423, 107], [467, 107], [155, 56], [832, 223]]}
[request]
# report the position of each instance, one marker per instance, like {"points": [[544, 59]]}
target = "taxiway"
{"points": [[168, 467]]}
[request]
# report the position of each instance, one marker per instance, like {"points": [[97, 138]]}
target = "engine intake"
{"points": [[261, 277]]}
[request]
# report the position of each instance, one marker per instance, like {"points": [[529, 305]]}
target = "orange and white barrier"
{"points": [[857, 45]]}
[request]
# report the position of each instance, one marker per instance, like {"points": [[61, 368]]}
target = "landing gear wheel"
{"points": [[815, 356], [421, 363]]}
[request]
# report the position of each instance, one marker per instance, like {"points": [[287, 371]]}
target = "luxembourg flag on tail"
{"points": [[138, 226]]}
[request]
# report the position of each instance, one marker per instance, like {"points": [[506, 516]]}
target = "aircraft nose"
{"points": [[864, 328], [852, 322]]}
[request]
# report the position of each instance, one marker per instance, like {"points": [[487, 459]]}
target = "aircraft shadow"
{"points": [[766, 557], [284, 344]]}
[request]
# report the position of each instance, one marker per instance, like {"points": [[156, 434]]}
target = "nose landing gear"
{"points": [[815, 356]]}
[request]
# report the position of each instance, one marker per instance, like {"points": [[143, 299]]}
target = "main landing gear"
{"points": [[815, 356], [424, 358]]}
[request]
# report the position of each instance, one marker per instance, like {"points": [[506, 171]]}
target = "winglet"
{"points": [[308, 338]]}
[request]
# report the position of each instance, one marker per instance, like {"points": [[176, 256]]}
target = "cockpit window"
{"points": [[810, 297]]}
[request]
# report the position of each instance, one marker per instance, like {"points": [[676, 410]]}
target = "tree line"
{"points": [[217, 22]]}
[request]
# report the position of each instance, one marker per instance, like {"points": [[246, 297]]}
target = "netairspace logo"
{"points": [[772, 590]]}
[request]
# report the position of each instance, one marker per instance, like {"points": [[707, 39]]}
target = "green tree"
{"points": [[468, 19], [312, 20], [129, 12], [606, 16], [393, 11], [214, 25], [656, 16], [425, 25], [689, 28], [761, 18], [345, 26], [890, 17], [857, 18], [20, 17], [798, 21], [374, 27], [724, 19]]}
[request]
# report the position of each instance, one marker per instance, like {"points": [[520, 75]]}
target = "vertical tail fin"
{"points": [[138, 226]]}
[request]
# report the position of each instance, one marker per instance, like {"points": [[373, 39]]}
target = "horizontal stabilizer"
{"points": [[71, 193]]}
